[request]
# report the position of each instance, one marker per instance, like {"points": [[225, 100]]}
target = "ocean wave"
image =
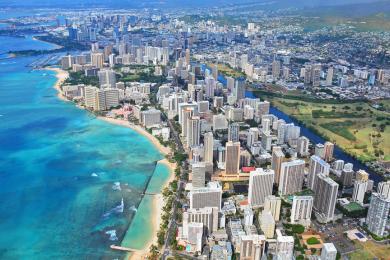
{"points": [[117, 209], [133, 208], [117, 186], [112, 234], [118, 162], [94, 175]]}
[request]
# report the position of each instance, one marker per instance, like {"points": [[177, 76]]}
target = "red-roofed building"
{"points": [[248, 169]]}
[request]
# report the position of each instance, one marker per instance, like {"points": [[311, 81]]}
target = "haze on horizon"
{"points": [[174, 3]]}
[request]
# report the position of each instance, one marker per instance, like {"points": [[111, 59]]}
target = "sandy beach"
{"points": [[61, 75], [158, 204], [158, 201]]}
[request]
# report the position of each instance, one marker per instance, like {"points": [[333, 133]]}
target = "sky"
{"points": [[167, 3]]}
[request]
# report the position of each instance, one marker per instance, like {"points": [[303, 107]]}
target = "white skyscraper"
{"points": [[284, 246], [328, 252], [234, 132], [210, 196], [384, 189], [325, 198], [303, 146], [253, 136], [359, 190], [208, 216], [378, 214], [193, 131], [317, 166], [198, 175], [107, 78], [260, 186], [301, 210], [292, 175], [251, 247], [276, 162], [208, 147], [273, 204]]}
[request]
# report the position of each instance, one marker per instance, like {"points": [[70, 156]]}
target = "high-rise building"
{"points": [[253, 136], [378, 214], [208, 216], [262, 109], [188, 54], [107, 78], [208, 147], [317, 166], [193, 131], [214, 71], [260, 186], [97, 60], [273, 204], [232, 160], [359, 190], [325, 198], [303, 146], [276, 69], [329, 76], [195, 237], [267, 224], [90, 97], [384, 189], [150, 117], [230, 84], [319, 150], [266, 141], [221, 157], [219, 122], [276, 162], [239, 89], [234, 132], [198, 175], [66, 62], [362, 175], [301, 210], [292, 175], [210, 87], [284, 246], [347, 174], [316, 75], [328, 151], [328, 252], [210, 196], [251, 247]]}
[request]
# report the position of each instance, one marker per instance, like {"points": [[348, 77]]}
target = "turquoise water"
{"points": [[64, 173], [139, 234]]}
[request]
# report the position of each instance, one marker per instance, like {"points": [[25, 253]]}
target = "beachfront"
{"points": [[157, 200]]}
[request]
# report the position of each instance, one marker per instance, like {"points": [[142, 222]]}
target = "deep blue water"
{"points": [[63, 173]]}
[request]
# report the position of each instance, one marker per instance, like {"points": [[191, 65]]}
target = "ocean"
{"points": [[70, 184]]}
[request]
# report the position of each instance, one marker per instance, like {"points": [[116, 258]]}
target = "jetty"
{"points": [[122, 248]]}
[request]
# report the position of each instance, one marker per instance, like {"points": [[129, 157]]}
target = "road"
{"points": [[183, 168]]}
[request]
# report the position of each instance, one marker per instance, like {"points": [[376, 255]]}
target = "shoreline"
{"points": [[158, 200], [61, 76], [157, 210], [56, 46], [163, 149]]}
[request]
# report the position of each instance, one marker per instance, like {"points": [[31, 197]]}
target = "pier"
{"points": [[122, 248]]}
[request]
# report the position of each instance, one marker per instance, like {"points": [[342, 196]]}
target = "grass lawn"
{"points": [[370, 250], [356, 127], [227, 71], [353, 206]]}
